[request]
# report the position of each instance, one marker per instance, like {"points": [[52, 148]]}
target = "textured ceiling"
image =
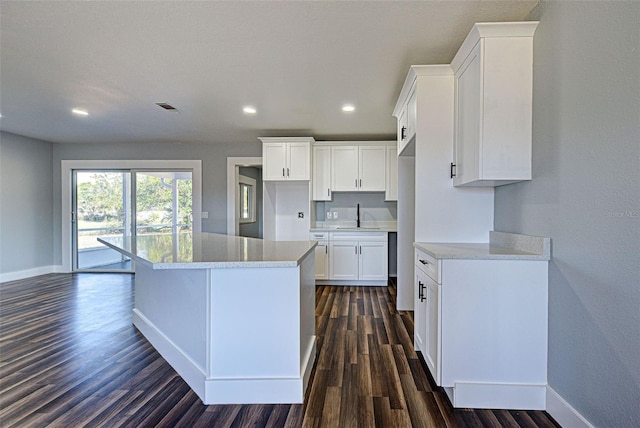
{"points": [[297, 63]]}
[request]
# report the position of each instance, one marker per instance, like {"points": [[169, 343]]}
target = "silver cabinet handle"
{"points": [[361, 183], [356, 183], [424, 262], [287, 172], [328, 190], [283, 172]]}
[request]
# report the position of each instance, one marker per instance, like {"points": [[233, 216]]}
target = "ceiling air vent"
{"points": [[167, 106]]}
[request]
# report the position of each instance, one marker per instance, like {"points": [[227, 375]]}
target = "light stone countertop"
{"points": [[210, 251], [501, 246]]}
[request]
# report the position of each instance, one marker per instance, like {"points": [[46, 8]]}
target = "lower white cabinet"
{"points": [[427, 313], [481, 326], [321, 254], [352, 257]]}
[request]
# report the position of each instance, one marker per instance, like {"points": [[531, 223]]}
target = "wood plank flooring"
{"points": [[69, 356]]}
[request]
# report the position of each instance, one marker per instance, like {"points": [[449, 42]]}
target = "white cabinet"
{"points": [[407, 121], [391, 185], [321, 254], [286, 159], [427, 337], [343, 259], [493, 105], [481, 326], [321, 182], [358, 256], [358, 168]]}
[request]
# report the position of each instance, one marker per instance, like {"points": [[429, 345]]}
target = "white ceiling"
{"points": [[297, 63]]}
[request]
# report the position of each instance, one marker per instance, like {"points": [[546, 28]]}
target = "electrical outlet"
{"points": [[300, 214], [205, 214], [335, 215], [328, 215]]}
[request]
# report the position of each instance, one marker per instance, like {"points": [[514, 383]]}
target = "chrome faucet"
{"points": [[358, 216]]}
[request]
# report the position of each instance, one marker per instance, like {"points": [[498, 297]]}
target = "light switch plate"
{"points": [[300, 214], [335, 215], [205, 214]]}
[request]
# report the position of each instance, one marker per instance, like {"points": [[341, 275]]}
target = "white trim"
{"points": [[28, 273], [233, 163], [67, 167], [563, 412]]}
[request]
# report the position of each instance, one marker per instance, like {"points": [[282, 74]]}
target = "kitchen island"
{"points": [[234, 316]]}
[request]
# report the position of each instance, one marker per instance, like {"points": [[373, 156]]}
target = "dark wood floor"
{"points": [[69, 356]]}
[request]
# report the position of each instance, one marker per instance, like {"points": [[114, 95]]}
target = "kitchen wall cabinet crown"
{"points": [[493, 105], [286, 158]]}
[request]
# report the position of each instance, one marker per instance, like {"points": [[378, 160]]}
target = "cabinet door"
{"points": [[402, 129], [432, 341], [343, 260], [298, 161], [373, 260], [344, 168], [274, 161], [372, 165], [411, 116], [468, 118], [391, 187], [322, 173], [322, 258], [420, 312]]}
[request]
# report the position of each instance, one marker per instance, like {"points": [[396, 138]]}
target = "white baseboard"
{"points": [[358, 283], [28, 273], [563, 413], [499, 395]]}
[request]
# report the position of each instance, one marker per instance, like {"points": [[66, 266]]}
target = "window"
{"points": [[247, 207]]}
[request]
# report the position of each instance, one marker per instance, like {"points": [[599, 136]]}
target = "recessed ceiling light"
{"points": [[80, 112], [348, 108], [249, 110]]}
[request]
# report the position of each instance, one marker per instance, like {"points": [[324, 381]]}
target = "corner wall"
{"points": [[585, 195], [26, 207]]}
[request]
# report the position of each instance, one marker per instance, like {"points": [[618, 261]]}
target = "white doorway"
{"points": [[234, 190]]}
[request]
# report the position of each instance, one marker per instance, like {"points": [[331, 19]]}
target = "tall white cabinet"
{"points": [[493, 105], [286, 164]]}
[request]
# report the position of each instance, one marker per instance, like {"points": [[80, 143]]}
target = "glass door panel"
{"points": [[101, 208], [163, 202]]}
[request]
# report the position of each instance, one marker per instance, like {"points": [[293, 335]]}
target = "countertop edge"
{"points": [[257, 264], [476, 252]]}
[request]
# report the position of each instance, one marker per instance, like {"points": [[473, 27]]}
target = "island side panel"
{"points": [[307, 316], [173, 302]]}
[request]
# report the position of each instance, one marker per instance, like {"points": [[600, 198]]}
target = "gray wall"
{"points": [[26, 203], [214, 173], [253, 230], [585, 195]]}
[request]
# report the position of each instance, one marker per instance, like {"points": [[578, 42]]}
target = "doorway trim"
{"points": [[67, 167], [233, 165]]}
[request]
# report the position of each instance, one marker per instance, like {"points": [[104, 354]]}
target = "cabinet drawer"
{"points": [[428, 265], [319, 236]]}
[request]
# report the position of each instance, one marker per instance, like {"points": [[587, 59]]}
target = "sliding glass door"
{"points": [[123, 203]]}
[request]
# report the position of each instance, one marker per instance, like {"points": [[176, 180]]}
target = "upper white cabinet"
{"points": [[407, 120], [358, 168], [286, 158], [391, 187], [493, 105], [321, 173]]}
